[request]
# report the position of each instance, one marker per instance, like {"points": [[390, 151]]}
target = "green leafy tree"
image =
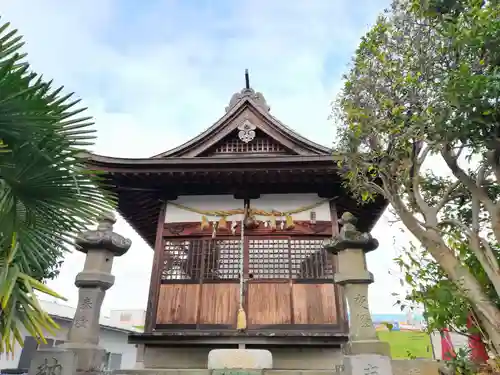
{"points": [[424, 89], [46, 194], [445, 305]]}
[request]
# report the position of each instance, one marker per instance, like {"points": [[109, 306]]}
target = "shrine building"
{"points": [[236, 218]]}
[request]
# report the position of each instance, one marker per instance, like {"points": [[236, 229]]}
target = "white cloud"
{"points": [[155, 74]]}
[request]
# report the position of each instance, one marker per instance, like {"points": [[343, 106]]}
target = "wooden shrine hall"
{"points": [[237, 217]]}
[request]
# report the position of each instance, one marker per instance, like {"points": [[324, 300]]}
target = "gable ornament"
{"points": [[256, 97], [246, 131]]}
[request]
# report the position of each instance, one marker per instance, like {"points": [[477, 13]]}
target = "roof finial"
{"points": [[247, 79], [256, 97]]}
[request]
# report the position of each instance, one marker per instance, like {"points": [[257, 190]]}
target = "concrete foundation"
{"points": [[399, 367], [156, 357]]}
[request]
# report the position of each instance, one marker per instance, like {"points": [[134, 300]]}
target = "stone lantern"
{"points": [[364, 349], [100, 246]]}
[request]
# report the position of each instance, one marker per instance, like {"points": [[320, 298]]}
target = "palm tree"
{"points": [[46, 193]]}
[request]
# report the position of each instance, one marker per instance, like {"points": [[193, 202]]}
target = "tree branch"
{"points": [[425, 151], [476, 204], [462, 333], [476, 244], [447, 195], [457, 224], [481, 175], [406, 216], [452, 162], [377, 188], [475, 211], [414, 192], [490, 256], [482, 250]]}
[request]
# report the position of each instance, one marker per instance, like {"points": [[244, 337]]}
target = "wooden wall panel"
{"points": [[269, 303], [314, 304], [219, 303], [178, 304]]}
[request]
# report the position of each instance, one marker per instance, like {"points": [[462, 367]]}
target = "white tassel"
{"points": [[214, 231], [234, 225]]}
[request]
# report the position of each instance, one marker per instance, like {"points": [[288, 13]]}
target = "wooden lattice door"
{"points": [[289, 284], [200, 284]]}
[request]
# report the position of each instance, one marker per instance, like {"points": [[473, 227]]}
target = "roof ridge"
{"points": [[300, 136]]}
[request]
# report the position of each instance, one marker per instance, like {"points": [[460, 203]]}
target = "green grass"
{"points": [[418, 344]]}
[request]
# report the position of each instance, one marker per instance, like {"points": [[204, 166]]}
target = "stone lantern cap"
{"points": [[350, 237], [103, 238]]}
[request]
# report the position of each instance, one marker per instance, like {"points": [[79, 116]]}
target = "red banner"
{"points": [[478, 353], [447, 351]]}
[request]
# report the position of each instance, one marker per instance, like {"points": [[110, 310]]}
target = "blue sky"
{"points": [[156, 73]]}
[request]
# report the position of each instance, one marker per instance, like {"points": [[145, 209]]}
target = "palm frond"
{"points": [[46, 193]]}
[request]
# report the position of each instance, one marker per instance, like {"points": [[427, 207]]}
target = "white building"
{"points": [[113, 337], [134, 318]]}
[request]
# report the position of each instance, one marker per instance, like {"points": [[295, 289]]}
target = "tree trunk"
{"points": [[488, 261], [495, 222]]}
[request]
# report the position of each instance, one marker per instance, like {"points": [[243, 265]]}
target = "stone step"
{"points": [[223, 372], [399, 367]]}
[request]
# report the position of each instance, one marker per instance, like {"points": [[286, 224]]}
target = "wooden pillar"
{"points": [[340, 299], [155, 280], [334, 217]]}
